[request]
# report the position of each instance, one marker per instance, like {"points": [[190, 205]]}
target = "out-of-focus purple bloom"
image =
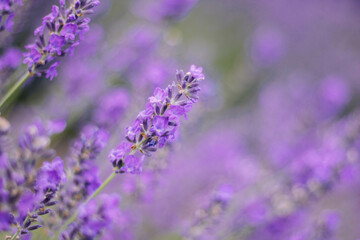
{"points": [[6, 219], [84, 175], [138, 45], [60, 32], [203, 224], [24, 188], [334, 94], [32, 205], [91, 142], [83, 84], [224, 194], [37, 135], [94, 217], [7, 12], [156, 125], [26, 204], [111, 108], [151, 71], [51, 175], [10, 59], [267, 46], [160, 10]]}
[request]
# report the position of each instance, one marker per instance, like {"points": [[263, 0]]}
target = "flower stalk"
{"points": [[13, 89], [74, 216]]}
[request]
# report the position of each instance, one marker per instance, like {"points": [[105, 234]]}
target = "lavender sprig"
{"points": [[18, 166], [7, 11], [209, 216], [93, 218], [84, 175], [60, 32], [48, 181], [158, 123], [153, 127]]}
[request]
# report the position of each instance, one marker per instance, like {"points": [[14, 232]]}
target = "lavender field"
{"points": [[180, 119]]}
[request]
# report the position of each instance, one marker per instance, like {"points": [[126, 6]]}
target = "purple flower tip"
{"points": [[51, 175]]}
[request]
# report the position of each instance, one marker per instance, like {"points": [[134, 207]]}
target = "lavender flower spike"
{"points": [[158, 123], [60, 32], [50, 177]]}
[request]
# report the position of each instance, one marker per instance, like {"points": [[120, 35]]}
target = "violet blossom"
{"points": [[158, 123], [84, 174], [59, 33], [94, 217]]}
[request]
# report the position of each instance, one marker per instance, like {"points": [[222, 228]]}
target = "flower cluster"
{"points": [[93, 218], [164, 9], [10, 59], [84, 175], [59, 33], [26, 192], [158, 123], [208, 217], [50, 177], [7, 13], [18, 164]]}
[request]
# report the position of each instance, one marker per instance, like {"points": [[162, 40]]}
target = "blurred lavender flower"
{"points": [[84, 174], [324, 228], [93, 218], [161, 10], [111, 108], [32, 205], [60, 32], [208, 217], [158, 123], [7, 13], [18, 165], [137, 45], [84, 85], [50, 177], [267, 46], [10, 59]]}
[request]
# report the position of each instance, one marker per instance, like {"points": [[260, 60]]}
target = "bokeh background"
{"points": [[271, 150]]}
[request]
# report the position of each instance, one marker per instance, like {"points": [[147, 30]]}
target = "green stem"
{"points": [[19, 229], [13, 89], [74, 216]]}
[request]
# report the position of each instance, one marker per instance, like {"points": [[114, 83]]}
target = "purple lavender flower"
{"points": [[7, 12], [267, 46], [94, 217], [158, 123], [203, 224], [32, 205], [164, 9], [10, 59], [111, 108], [37, 135], [50, 176], [18, 193], [84, 177], [137, 45], [60, 32]]}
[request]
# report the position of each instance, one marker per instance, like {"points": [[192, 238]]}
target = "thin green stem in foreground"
{"points": [[74, 216], [19, 229], [14, 88]]}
